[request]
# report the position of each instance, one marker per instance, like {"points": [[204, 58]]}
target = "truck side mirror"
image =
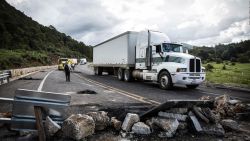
{"points": [[158, 49]]}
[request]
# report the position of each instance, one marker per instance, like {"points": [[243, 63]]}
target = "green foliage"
{"points": [[224, 67], [209, 67], [21, 35], [243, 59], [237, 75], [230, 52]]}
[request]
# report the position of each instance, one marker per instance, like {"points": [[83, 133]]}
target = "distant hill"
{"points": [[235, 52], [24, 42]]}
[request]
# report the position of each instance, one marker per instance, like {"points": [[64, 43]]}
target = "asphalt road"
{"points": [[108, 88], [152, 91]]}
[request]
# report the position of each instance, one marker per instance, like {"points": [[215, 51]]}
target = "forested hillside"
{"points": [[24, 42], [235, 52]]}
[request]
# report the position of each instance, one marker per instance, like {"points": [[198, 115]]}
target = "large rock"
{"points": [[51, 126], [230, 124], [141, 128], [116, 123], [179, 117], [101, 119], [78, 126], [129, 121], [213, 129], [168, 125]]}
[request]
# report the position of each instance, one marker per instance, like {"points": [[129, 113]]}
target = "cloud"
{"points": [[206, 22]]}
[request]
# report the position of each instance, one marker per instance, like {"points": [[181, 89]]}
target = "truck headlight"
{"points": [[181, 70]]}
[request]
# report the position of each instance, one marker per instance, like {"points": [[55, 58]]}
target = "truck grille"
{"points": [[195, 65]]}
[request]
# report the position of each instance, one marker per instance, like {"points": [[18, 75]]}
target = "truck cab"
{"points": [[159, 60]]}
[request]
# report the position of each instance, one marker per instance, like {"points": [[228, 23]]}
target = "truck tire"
{"points": [[120, 74], [98, 71], [165, 81], [127, 75], [192, 86]]}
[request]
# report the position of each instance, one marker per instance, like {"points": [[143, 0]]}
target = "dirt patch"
{"points": [[29, 78], [86, 92]]}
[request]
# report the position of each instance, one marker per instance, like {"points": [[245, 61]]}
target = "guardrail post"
{"points": [[39, 123]]}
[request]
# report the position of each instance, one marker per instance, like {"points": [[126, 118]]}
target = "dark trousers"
{"points": [[67, 74]]}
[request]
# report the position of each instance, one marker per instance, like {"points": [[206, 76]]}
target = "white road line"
{"points": [[41, 84]]}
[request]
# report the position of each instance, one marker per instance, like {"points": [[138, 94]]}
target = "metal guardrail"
{"points": [[27, 104], [5, 76]]}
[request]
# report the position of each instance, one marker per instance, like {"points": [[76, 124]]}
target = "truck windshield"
{"points": [[168, 47]]}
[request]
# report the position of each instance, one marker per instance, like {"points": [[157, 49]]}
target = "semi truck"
{"points": [[148, 55]]}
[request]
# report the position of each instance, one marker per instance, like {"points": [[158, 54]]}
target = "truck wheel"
{"points": [[98, 71], [192, 86], [127, 75], [120, 74], [165, 81]]}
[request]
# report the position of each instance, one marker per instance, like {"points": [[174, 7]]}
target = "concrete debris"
{"points": [[51, 126], [141, 128], [230, 124], [116, 123], [78, 126], [168, 125], [199, 114], [205, 98], [211, 115], [129, 121], [182, 125], [179, 117], [213, 129], [177, 110], [195, 122], [101, 119], [234, 101]]}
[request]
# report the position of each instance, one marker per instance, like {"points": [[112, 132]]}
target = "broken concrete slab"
{"points": [[116, 123], [179, 117], [141, 128], [78, 126], [177, 104], [129, 121], [168, 125], [199, 114], [195, 122], [51, 126], [213, 129], [101, 119], [211, 115], [230, 124], [177, 110]]}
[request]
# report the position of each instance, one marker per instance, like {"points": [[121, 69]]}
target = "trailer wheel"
{"points": [[165, 81], [127, 75], [120, 74], [192, 86], [98, 71]]}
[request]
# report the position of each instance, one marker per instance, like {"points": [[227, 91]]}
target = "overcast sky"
{"points": [[197, 22]]}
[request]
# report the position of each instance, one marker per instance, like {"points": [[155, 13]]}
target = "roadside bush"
{"points": [[233, 63], [209, 67], [218, 61], [224, 67], [243, 59]]}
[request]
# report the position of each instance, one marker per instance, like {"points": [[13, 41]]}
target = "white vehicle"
{"points": [[148, 55], [83, 61]]}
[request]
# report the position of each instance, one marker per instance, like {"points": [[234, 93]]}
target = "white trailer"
{"points": [[148, 55]]}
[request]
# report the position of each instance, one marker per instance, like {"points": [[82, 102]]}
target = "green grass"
{"points": [[234, 75]]}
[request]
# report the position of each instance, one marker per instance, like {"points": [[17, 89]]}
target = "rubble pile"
{"points": [[173, 118]]}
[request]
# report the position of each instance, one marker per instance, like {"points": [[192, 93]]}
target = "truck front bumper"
{"points": [[185, 78]]}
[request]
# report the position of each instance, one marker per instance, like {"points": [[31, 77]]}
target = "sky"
{"points": [[196, 22]]}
